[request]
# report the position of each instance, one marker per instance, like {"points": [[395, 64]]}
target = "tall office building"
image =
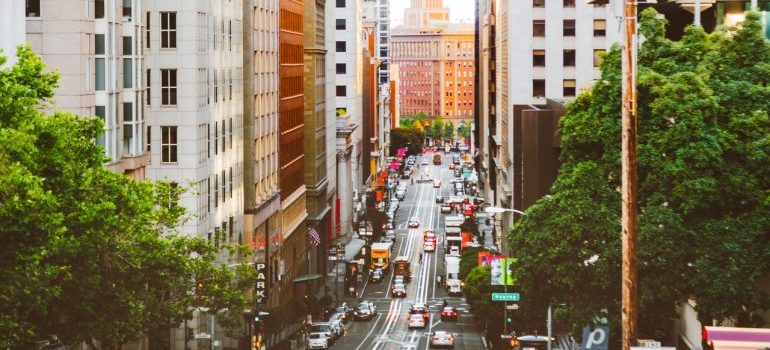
{"points": [[317, 116], [262, 201], [294, 252], [379, 12], [100, 56], [425, 13], [344, 67]]}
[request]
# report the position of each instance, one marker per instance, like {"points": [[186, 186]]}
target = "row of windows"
{"points": [[291, 21], [568, 88], [565, 3], [568, 58], [221, 141], [291, 86], [568, 27], [291, 53]]}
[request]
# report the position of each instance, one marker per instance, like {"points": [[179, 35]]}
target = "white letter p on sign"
{"points": [[596, 337]]}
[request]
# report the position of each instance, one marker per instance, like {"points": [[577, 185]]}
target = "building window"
{"points": [[147, 30], [342, 68], [148, 141], [216, 138], [598, 57], [569, 3], [208, 194], [149, 85], [101, 113], [128, 81], [538, 58], [538, 3], [168, 144], [208, 140], [168, 87], [538, 88], [99, 44], [127, 8], [340, 24], [230, 133], [128, 128], [230, 183], [224, 187], [600, 27], [340, 3], [216, 191], [569, 88], [98, 8], [224, 135], [33, 8], [538, 28], [342, 90], [99, 74], [569, 58], [569, 27], [168, 30], [341, 46]]}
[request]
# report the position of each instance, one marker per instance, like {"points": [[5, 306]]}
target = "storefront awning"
{"points": [[353, 248]]}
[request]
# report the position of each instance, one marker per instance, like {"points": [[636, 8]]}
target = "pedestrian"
{"points": [[438, 280], [445, 303], [420, 257]]}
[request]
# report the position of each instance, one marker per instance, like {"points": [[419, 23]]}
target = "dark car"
{"points": [[344, 312], [363, 312], [439, 199], [449, 313], [376, 276]]}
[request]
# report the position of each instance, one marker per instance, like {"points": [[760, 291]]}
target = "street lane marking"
{"points": [[370, 332]]}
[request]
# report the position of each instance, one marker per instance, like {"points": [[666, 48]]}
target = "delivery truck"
{"points": [[401, 267], [452, 277], [380, 255]]}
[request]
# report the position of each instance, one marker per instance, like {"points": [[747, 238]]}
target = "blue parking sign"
{"points": [[596, 338]]}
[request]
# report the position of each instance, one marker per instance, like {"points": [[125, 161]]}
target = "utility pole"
{"points": [[696, 13], [629, 172]]}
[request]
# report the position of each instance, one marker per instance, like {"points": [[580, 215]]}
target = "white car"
{"points": [[429, 246], [442, 338], [317, 341], [416, 321], [336, 322], [414, 223], [436, 183], [324, 328]]}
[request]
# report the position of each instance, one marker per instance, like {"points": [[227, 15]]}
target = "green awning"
{"points": [[307, 277]]}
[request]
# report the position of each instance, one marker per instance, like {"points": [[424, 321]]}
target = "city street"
{"points": [[389, 330]]}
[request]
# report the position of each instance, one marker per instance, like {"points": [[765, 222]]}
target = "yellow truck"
{"points": [[380, 256]]}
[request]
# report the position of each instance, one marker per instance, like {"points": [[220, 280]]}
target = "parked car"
{"points": [[324, 328], [416, 321], [317, 341], [344, 311], [446, 208], [442, 338], [449, 313], [336, 322]]}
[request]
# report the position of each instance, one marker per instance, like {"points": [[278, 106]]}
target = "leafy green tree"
{"points": [[469, 260], [411, 138], [449, 131], [703, 182], [478, 291], [90, 255], [437, 128]]}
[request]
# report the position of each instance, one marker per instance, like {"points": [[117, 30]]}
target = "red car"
{"points": [[449, 313]]}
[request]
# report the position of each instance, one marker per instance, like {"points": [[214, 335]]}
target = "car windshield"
{"points": [[317, 336], [448, 309], [322, 328], [398, 286], [342, 309]]}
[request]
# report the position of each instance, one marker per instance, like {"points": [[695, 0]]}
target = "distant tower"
{"points": [[422, 13]]}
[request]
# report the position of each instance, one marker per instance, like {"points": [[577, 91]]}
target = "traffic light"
{"points": [[509, 317]]}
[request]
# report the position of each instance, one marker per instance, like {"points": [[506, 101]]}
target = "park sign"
{"points": [[506, 296], [260, 288]]}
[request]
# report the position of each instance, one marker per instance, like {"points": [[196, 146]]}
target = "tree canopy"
{"points": [[406, 137], [704, 199], [90, 255]]}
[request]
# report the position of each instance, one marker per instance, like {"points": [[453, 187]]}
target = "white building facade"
{"points": [[344, 76], [194, 75]]}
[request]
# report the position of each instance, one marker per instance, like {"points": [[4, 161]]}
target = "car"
{"points": [[458, 173], [399, 280], [414, 223], [424, 177], [376, 276], [442, 338], [429, 246], [317, 341], [370, 304], [439, 199], [451, 166], [336, 322], [344, 312], [363, 312], [419, 309], [324, 328], [398, 291], [416, 321], [446, 208], [448, 313], [436, 183]]}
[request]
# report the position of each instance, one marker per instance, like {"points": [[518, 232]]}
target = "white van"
{"points": [[454, 287]]}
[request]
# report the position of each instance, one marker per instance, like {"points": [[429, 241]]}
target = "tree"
{"points": [[437, 128], [411, 138], [449, 131], [703, 182], [478, 291], [469, 260], [464, 130], [90, 255]]}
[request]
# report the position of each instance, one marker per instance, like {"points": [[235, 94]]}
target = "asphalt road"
{"points": [[389, 329]]}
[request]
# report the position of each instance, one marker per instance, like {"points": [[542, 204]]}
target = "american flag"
{"points": [[313, 236]]}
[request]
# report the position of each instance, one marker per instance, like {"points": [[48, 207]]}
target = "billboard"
{"points": [[484, 258], [501, 270]]}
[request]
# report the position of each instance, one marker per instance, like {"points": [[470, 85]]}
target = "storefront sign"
{"points": [[260, 289]]}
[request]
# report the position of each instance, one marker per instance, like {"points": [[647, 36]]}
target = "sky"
{"points": [[459, 10]]}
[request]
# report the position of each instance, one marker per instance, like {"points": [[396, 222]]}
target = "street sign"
{"points": [[260, 288], [332, 253], [597, 338], [512, 306], [505, 296]]}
